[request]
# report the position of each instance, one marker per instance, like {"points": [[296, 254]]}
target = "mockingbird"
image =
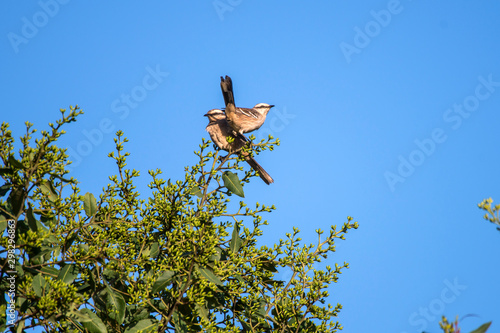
{"points": [[242, 120], [219, 130]]}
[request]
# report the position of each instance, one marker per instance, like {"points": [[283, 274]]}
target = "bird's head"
{"points": [[263, 108], [215, 114]]}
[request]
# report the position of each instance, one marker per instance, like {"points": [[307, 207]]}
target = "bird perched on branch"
{"points": [[242, 120], [219, 130]]}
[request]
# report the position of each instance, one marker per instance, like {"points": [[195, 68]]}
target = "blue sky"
{"points": [[387, 111]]}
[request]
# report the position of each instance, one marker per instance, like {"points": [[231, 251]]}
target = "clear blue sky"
{"points": [[388, 111]]}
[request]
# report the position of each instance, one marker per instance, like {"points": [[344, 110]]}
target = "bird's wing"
{"points": [[249, 112]]}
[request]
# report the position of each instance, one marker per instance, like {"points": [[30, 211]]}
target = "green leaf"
{"points": [[32, 156], [240, 279], [235, 244], [162, 282], [483, 328], [80, 316], [84, 288], [20, 326], [210, 276], [83, 248], [196, 191], [262, 309], [31, 219], [57, 252], [44, 250], [48, 190], [245, 325], [232, 183], [51, 239], [179, 323], [3, 224], [136, 313], [47, 219], [89, 204], [69, 241], [15, 163], [116, 305], [155, 250], [4, 189], [23, 306], [51, 271], [4, 171], [110, 274], [145, 326], [16, 199], [270, 265], [39, 285], [96, 325], [217, 255], [68, 273], [202, 311]]}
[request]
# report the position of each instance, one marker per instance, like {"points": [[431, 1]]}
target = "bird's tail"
{"points": [[260, 170], [226, 85]]}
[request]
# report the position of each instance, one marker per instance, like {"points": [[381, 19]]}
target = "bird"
{"points": [[242, 120], [219, 130]]}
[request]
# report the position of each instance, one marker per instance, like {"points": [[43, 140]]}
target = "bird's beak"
{"points": [[205, 115], [271, 106]]}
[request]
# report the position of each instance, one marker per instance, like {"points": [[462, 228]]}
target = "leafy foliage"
{"points": [[492, 212], [492, 215], [177, 260], [448, 327]]}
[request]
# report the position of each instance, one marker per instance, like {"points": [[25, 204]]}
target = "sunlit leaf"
{"points": [[96, 325], [232, 183], [15, 163], [116, 305], [80, 316], [89, 204], [202, 310], [3, 223], [155, 250], [20, 326], [483, 328], [48, 190], [39, 285], [235, 239], [145, 325], [196, 191], [162, 282], [239, 278], [217, 255], [110, 274], [210, 276], [68, 273], [50, 271]]}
